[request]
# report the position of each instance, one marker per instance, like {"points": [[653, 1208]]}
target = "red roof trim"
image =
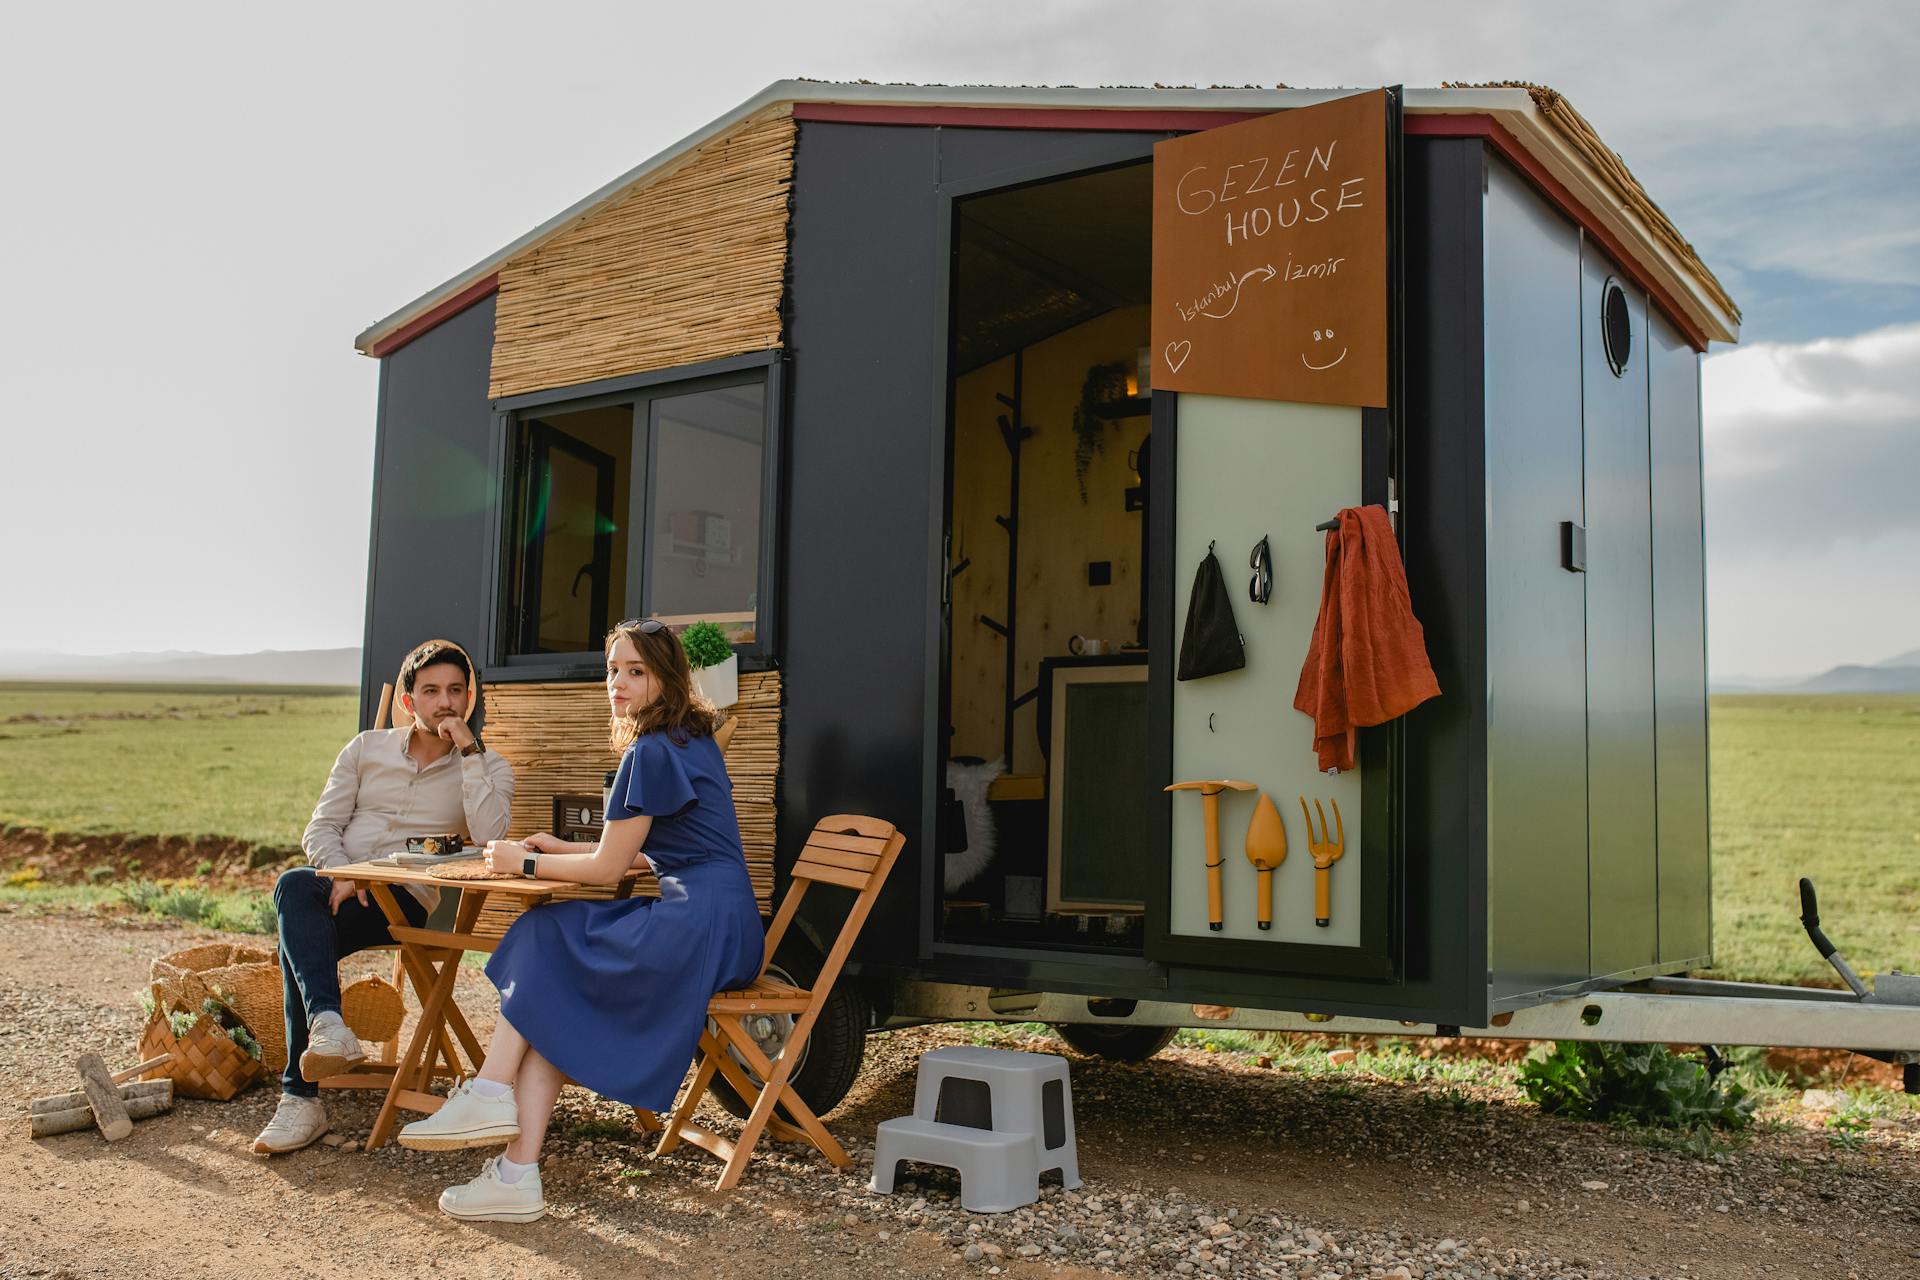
{"points": [[445, 311], [1021, 117], [1509, 146]]}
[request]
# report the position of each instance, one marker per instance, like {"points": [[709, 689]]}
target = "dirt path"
{"points": [[1310, 1177]]}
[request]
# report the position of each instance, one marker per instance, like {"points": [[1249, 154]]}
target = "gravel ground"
{"points": [[1195, 1164]]}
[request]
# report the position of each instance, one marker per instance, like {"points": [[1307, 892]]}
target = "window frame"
{"points": [[640, 391]]}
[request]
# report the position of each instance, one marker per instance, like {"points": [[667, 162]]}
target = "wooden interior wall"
{"points": [[555, 736], [686, 267], [1059, 534]]}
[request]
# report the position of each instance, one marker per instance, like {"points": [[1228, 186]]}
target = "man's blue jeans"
{"points": [[312, 941]]}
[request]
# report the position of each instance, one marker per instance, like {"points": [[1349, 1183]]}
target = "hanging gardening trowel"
{"points": [[1266, 850], [1210, 813], [1325, 852]]}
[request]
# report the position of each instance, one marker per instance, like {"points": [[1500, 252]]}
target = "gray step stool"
{"points": [[1000, 1117]]}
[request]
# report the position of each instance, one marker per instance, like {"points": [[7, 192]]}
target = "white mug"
{"points": [[1086, 647]]}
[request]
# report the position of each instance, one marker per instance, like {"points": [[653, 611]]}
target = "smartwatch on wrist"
{"points": [[526, 865]]}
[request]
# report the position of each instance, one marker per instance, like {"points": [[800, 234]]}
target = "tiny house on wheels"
{"points": [[936, 399]]}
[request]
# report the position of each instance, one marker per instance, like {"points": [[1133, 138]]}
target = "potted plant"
{"points": [[716, 667]]}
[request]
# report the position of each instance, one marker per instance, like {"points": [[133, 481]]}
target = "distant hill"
{"points": [[1874, 679], [1898, 674], [270, 666]]}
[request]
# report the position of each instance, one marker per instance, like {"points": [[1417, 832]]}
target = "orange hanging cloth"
{"points": [[1368, 659]]}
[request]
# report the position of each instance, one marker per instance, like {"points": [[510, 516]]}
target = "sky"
{"points": [[206, 202]]}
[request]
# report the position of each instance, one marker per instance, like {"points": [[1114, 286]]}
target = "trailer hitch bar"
{"points": [[1810, 919]]}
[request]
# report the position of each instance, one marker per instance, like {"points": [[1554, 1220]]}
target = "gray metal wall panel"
{"points": [[861, 340], [1536, 610], [1679, 644], [1622, 872], [434, 496]]}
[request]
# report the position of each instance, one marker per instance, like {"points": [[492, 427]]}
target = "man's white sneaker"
{"points": [[465, 1119], [488, 1199], [296, 1123], [331, 1049]]}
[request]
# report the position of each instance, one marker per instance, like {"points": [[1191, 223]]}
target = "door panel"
{"points": [[1247, 469], [1680, 644], [1622, 857], [1536, 609]]}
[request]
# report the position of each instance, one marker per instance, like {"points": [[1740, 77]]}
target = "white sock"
{"points": [[510, 1172], [485, 1088]]}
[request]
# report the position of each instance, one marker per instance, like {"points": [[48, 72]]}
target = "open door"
{"points": [[1274, 337]]}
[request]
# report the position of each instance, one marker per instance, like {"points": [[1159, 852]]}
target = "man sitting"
{"points": [[387, 785]]}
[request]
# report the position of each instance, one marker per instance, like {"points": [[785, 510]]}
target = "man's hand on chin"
{"points": [[455, 730]]}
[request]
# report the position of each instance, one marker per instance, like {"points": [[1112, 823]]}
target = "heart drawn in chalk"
{"points": [[1177, 353]]}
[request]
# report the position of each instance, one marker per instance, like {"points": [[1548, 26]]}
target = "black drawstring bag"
{"points": [[1212, 643]]}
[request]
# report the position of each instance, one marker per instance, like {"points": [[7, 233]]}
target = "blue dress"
{"points": [[615, 994]]}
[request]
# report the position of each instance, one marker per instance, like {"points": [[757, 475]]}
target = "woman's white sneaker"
{"points": [[465, 1119], [488, 1199], [296, 1123]]}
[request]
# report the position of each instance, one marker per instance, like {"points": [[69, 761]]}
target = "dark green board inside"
{"points": [[1106, 816]]}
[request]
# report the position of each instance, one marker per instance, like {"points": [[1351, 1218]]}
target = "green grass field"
{"points": [[169, 759], [1827, 787]]}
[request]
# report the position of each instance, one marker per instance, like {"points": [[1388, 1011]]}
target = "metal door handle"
{"points": [[1573, 547]]}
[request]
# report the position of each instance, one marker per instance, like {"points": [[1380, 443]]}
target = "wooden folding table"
{"points": [[431, 958]]}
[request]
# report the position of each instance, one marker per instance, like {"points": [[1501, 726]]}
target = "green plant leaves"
{"points": [[706, 645], [1644, 1083]]}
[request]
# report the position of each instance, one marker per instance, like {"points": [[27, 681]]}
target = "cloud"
{"points": [[1811, 446]]}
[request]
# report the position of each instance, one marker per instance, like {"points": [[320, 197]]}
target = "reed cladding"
{"points": [[687, 266]]}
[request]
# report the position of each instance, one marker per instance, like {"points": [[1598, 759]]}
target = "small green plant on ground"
{"points": [[244, 911], [706, 645], [1643, 1084], [590, 1129]]}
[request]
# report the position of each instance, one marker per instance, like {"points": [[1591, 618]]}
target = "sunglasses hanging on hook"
{"points": [[1260, 586]]}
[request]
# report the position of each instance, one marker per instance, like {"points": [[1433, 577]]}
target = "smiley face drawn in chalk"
{"points": [[1323, 335]]}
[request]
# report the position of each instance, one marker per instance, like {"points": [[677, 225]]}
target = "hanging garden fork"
{"points": [[1325, 853]]}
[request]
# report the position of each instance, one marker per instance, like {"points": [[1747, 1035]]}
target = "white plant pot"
{"points": [[720, 682]]}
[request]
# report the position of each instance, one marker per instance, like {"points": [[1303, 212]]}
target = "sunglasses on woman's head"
{"points": [[645, 626]]}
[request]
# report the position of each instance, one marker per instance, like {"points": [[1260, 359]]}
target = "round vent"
{"points": [[1616, 326]]}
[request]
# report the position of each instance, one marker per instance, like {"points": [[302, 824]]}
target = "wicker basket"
{"points": [[206, 1062], [372, 1007], [246, 978]]}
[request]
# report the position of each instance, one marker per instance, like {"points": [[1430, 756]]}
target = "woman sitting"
{"points": [[611, 994]]}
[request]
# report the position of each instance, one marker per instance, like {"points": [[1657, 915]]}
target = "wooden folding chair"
{"points": [[846, 850]]}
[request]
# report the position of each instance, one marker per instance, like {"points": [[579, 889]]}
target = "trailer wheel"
{"points": [[830, 1059], [1117, 1043]]}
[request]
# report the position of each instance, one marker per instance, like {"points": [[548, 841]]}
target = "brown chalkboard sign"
{"points": [[1270, 256]]}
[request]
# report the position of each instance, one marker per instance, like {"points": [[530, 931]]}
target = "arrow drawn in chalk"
{"points": [[1258, 273]]}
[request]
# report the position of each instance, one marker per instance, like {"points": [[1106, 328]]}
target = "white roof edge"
{"points": [[1513, 107]]}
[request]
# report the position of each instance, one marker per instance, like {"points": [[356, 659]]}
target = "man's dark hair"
{"points": [[428, 655]]}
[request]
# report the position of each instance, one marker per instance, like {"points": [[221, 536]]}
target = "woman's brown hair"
{"points": [[681, 711]]}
